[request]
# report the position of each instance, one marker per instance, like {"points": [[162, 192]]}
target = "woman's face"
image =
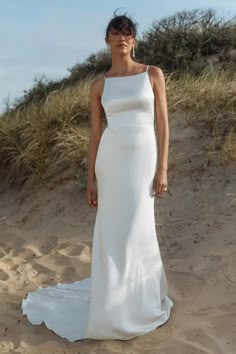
{"points": [[120, 42]]}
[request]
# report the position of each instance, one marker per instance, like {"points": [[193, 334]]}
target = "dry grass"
{"points": [[41, 140], [209, 103]]}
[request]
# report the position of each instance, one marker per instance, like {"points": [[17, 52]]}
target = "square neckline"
{"points": [[119, 77]]}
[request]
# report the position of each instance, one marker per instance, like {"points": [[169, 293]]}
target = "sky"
{"points": [[46, 37]]}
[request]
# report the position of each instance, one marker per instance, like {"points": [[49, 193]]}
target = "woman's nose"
{"points": [[122, 35]]}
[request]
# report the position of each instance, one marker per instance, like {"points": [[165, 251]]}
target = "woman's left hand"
{"points": [[160, 182]]}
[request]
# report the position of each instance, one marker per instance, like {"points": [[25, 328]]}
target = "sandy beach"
{"points": [[46, 238]]}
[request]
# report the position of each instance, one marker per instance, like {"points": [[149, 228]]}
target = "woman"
{"points": [[129, 288], [126, 295]]}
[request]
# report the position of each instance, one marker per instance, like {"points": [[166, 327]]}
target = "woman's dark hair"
{"points": [[122, 23]]}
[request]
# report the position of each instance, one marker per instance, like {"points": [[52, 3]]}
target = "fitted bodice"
{"points": [[128, 100]]}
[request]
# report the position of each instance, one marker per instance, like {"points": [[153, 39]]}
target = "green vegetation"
{"points": [[46, 131], [42, 139]]}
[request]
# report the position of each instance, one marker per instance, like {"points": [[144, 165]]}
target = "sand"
{"points": [[46, 237]]}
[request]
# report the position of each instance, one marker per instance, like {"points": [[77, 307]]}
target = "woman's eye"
{"points": [[127, 34]]}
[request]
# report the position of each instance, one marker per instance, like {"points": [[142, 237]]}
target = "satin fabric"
{"points": [[127, 293]]}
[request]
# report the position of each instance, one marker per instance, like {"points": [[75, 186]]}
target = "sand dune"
{"points": [[46, 237]]}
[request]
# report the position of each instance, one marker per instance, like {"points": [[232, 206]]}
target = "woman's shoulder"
{"points": [[97, 80], [155, 70], [156, 76], [96, 84]]}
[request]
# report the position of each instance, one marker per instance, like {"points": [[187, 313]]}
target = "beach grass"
{"points": [[40, 140]]}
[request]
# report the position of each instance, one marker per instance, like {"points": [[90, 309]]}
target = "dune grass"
{"points": [[40, 140], [209, 103]]}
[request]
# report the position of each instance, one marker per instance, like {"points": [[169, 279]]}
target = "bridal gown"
{"points": [[126, 295]]}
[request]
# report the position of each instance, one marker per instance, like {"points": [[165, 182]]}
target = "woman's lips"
{"points": [[122, 45]]}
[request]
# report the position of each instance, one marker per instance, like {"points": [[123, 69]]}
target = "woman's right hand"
{"points": [[91, 194]]}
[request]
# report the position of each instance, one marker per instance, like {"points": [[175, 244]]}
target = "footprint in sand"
{"points": [[73, 250], [41, 270], [79, 250], [3, 275], [24, 252], [49, 245], [69, 274]]}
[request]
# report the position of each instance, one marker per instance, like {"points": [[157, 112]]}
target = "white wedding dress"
{"points": [[126, 295]]}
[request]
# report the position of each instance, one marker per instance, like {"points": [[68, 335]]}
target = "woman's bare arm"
{"points": [[161, 117], [97, 113]]}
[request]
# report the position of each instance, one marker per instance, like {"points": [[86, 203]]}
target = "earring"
{"points": [[133, 52], [108, 49]]}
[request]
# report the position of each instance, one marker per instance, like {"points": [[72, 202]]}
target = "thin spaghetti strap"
{"points": [[147, 68]]}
